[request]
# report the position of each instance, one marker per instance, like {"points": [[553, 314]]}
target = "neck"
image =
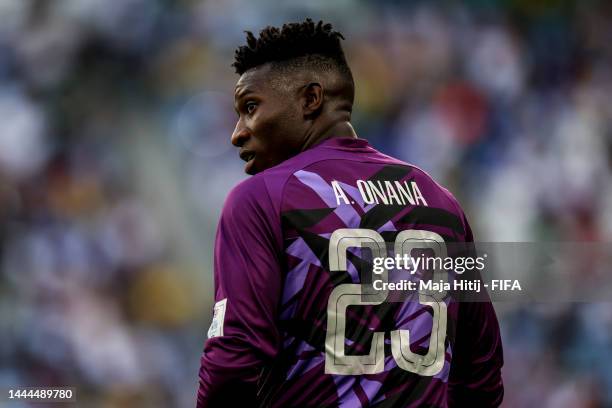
{"points": [[334, 130]]}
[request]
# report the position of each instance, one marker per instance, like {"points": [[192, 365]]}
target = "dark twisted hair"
{"points": [[295, 45]]}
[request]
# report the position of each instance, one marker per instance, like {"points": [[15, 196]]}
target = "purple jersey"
{"points": [[292, 325]]}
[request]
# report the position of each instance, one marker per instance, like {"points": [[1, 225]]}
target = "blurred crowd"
{"points": [[115, 117]]}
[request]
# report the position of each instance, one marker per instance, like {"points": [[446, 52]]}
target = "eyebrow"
{"points": [[243, 93]]}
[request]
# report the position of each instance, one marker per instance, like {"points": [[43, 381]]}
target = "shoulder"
{"points": [[439, 196], [247, 196], [442, 193], [264, 191], [249, 212]]}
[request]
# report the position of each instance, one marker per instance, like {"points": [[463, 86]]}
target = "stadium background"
{"points": [[115, 117]]}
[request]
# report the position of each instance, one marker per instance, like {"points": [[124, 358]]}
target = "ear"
{"points": [[312, 99]]}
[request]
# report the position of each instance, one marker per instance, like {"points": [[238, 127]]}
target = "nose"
{"points": [[240, 135]]}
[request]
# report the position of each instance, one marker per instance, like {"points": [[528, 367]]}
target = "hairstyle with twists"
{"points": [[296, 45]]}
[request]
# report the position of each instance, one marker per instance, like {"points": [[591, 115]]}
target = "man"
{"points": [[296, 322]]}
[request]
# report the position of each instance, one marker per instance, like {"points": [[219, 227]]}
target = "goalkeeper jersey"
{"points": [[295, 320]]}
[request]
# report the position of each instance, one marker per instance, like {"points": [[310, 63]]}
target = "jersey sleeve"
{"points": [[475, 376], [244, 336]]}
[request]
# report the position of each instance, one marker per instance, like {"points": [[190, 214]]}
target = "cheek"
{"points": [[279, 130], [289, 128]]}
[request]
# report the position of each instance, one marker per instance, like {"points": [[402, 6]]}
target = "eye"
{"points": [[250, 107]]}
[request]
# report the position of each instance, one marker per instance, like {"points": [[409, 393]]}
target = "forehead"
{"points": [[258, 79], [266, 79]]}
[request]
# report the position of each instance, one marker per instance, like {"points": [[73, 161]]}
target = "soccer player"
{"points": [[295, 322]]}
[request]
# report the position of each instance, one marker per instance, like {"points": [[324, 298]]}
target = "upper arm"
{"points": [[247, 265], [247, 274], [475, 376]]}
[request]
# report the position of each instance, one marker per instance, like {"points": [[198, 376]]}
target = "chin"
{"points": [[251, 168], [257, 167]]}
